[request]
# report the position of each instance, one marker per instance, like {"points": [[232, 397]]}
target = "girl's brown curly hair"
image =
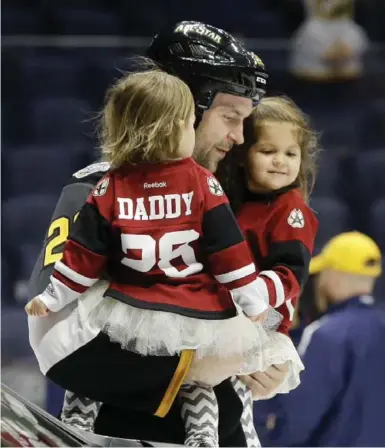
{"points": [[278, 109]]}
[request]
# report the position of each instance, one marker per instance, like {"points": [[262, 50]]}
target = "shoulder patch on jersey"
{"points": [[215, 187], [296, 219], [93, 168], [101, 187]]}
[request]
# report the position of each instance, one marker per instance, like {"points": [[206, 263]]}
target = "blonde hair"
{"points": [[141, 120], [272, 108], [283, 109]]}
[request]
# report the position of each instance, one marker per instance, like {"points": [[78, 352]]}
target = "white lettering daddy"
{"points": [[169, 206]]}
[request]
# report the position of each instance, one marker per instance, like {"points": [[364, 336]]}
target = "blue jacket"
{"points": [[341, 398]]}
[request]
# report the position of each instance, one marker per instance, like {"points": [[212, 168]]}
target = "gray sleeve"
{"points": [[72, 199]]}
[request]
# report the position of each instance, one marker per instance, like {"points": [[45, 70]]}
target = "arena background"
{"points": [[59, 56]]}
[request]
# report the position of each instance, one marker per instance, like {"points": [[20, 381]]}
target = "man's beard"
{"points": [[203, 158]]}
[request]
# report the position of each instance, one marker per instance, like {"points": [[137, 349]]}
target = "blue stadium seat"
{"points": [[379, 289], [146, 19], [78, 4], [52, 75], [25, 222], [17, 4], [6, 280], [34, 170], [276, 59], [333, 216], [370, 176], [377, 231], [60, 120], [339, 128], [377, 221], [26, 219], [14, 122], [88, 22], [372, 127], [11, 75], [102, 71], [264, 24], [28, 253], [328, 176], [20, 21], [14, 335]]}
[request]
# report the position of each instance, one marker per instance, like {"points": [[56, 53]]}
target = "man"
{"points": [[338, 402], [227, 81]]}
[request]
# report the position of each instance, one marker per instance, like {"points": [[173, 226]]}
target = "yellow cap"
{"points": [[351, 252]]}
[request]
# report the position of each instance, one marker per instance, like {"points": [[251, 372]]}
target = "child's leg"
{"points": [[79, 412], [247, 419], [200, 414]]}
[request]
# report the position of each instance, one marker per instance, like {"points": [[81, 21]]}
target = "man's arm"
{"points": [[71, 200]]}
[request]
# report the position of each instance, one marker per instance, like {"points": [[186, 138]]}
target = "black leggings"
{"points": [[131, 387], [101, 370]]}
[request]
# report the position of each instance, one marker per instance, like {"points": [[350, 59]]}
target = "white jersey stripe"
{"points": [[236, 275], [74, 276], [279, 290]]}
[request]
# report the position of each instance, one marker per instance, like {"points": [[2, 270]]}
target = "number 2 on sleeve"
{"points": [[59, 229]]}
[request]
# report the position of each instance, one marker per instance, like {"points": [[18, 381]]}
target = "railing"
{"points": [[267, 48]]}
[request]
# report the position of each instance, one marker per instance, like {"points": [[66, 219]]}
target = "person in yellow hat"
{"points": [[349, 253], [352, 253], [339, 401]]}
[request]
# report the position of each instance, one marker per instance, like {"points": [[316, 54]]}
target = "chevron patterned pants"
{"points": [[79, 412], [199, 412], [247, 419], [201, 415]]}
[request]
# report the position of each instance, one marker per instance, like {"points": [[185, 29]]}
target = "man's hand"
{"points": [[262, 384]]}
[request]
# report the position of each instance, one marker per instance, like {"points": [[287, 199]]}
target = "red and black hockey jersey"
{"points": [[280, 229], [166, 237]]}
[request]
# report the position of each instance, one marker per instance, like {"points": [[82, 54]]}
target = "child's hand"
{"points": [[36, 307], [259, 317]]}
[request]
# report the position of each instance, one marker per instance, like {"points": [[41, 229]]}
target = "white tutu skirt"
{"points": [[158, 333]]}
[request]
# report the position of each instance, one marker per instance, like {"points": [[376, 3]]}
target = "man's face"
{"points": [[221, 127], [332, 284]]}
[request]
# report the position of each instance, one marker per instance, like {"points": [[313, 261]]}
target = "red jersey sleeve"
{"points": [[86, 250], [292, 231], [229, 256]]}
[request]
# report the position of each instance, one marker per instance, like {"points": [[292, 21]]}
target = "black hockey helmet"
{"points": [[209, 60]]}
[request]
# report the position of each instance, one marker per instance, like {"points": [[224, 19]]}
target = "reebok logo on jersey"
{"points": [[155, 185]]}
